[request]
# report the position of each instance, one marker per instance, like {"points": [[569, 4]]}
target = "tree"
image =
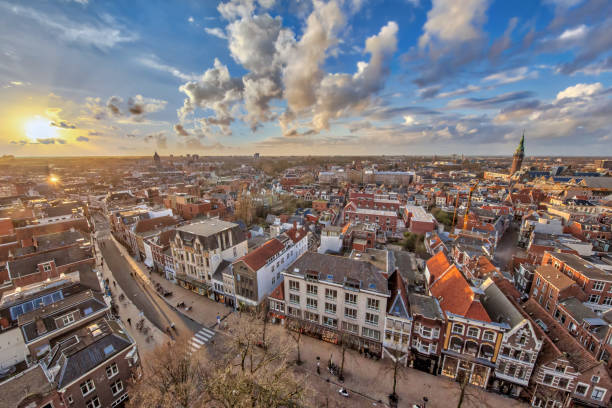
{"points": [[236, 374], [171, 378], [295, 328], [398, 360], [345, 342]]}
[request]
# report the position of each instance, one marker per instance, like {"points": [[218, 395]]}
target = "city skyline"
{"points": [[360, 77]]}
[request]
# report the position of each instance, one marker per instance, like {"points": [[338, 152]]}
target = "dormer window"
{"points": [[47, 267]]}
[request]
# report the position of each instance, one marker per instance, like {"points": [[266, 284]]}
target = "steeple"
{"points": [[521, 147], [519, 154]]}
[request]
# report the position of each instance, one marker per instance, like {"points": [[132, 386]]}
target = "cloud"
{"points": [[340, 94], [216, 31], [190, 19], [82, 139], [113, 105], [452, 22], [452, 38], [489, 103], [102, 34], [160, 139], [180, 130], [94, 133], [574, 33], [580, 90], [215, 90], [503, 43], [63, 124], [236, 8], [51, 140], [139, 105], [510, 76], [151, 61]]}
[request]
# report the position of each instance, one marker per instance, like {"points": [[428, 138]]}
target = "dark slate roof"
{"points": [[63, 256], [58, 239], [426, 306], [207, 233], [77, 358], [339, 269], [81, 301]]}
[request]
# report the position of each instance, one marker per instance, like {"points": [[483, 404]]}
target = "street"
{"points": [[507, 247], [144, 297]]}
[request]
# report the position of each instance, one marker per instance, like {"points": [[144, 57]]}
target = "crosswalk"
{"points": [[200, 338]]}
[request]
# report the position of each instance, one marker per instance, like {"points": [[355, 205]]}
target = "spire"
{"points": [[521, 147]]}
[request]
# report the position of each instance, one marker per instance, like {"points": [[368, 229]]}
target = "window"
{"points": [[594, 299], [47, 267], [292, 311], [488, 336], [350, 298], [371, 318], [373, 304], [70, 399], [112, 370], [595, 379], [93, 403], [548, 379], [311, 303], [331, 294], [87, 387], [457, 328], [538, 281], [598, 394], [523, 340], [350, 327], [330, 322], [581, 389], [116, 387], [473, 332], [313, 317], [311, 289], [293, 298], [350, 313], [69, 318], [560, 368], [294, 286], [370, 333], [608, 301], [598, 286], [563, 383], [330, 308]]}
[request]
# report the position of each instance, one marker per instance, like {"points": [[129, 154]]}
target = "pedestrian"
{"points": [[114, 284], [218, 320], [318, 367], [129, 321]]}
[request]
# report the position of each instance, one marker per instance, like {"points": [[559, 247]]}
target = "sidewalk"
{"points": [[127, 310], [204, 311], [373, 379]]}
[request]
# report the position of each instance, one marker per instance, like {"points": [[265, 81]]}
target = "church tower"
{"points": [[519, 154], [156, 159]]}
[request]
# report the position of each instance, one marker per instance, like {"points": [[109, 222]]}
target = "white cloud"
{"points": [[151, 61], [236, 9], [103, 34], [580, 90], [409, 120], [453, 22], [216, 31], [190, 19], [510, 76], [574, 33]]}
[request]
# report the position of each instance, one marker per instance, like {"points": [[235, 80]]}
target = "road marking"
{"points": [[202, 337]]}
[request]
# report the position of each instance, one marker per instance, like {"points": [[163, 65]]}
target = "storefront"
{"points": [[461, 369], [201, 288]]}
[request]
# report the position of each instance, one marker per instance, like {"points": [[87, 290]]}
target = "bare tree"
{"points": [[345, 343], [253, 377], [171, 378], [398, 361], [295, 328]]}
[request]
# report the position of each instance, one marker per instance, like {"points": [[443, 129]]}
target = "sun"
{"points": [[40, 128]]}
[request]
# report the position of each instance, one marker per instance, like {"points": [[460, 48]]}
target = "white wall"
{"points": [[12, 348], [330, 243]]}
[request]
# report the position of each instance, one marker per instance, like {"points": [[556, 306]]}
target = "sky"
{"points": [[305, 77]]}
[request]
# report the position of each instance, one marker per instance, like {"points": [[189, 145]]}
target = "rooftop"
{"points": [[339, 269], [581, 265], [554, 277], [207, 227]]}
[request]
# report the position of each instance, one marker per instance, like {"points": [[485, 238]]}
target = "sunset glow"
{"points": [[39, 128]]}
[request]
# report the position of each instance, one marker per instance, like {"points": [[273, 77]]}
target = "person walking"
{"points": [[129, 321], [218, 320], [318, 367]]}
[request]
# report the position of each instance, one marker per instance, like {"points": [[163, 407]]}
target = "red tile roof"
{"points": [[258, 258], [455, 295], [437, 264], [279, 292], [296, 234]]}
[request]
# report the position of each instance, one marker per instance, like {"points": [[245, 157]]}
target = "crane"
{"points": [[455, 213], [469, 203]]}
